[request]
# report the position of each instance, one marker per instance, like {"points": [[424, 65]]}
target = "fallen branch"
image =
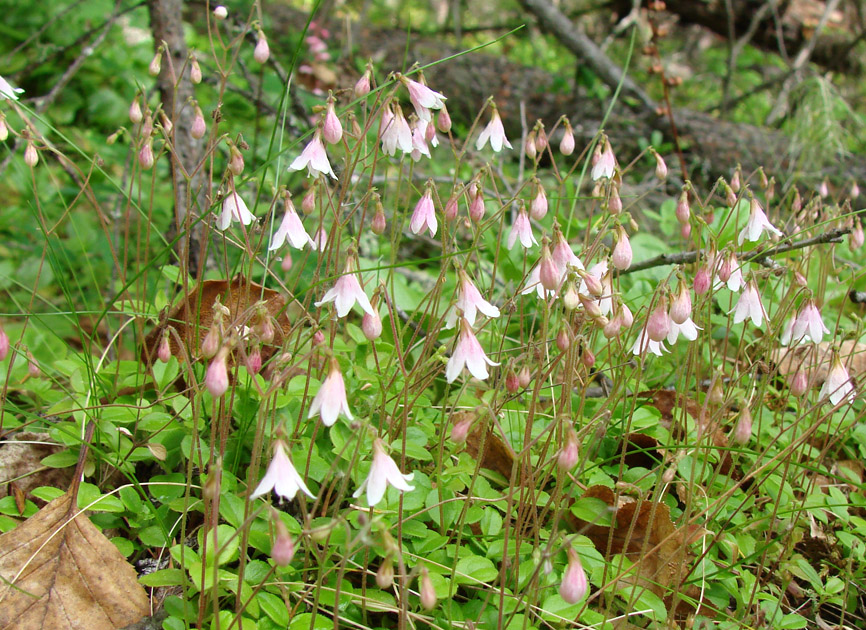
{"points": [[761, 257]]}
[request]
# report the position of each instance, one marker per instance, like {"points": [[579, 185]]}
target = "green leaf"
{"points": [[474, 569], [274, 607], [163, 577], [593, 510]]}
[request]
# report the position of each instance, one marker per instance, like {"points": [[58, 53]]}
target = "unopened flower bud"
{"points": [[574, 584], [385, 574], [286, 262], [569, 454], [855, 190], [217, 377], [799, 383], [443, 120], [661, 167], [627, 317], [548, 274], [378, 223], [855, 238], [512, 382], [194, 70], [451, 208], [332, 129], [538, 205], [524, 377], [155, 64], [460, 430], [716, 395], [622, 254], [658, 324], [529, 146], [33, 369], [163, 353], [570, 299], [476, 208], [540, 139], [428, 593], [735, 181], [593, 284], [362, 86], [4, 343], [702, 281], [681, 307], [796, 202], [145, 155], [31, 156], [587, 358], [824, 189], [283, 549], [318, 338], [743, 429], [262, 51], [566, 145], [236, 161], [371, 326], [308, 203], [199, 127], [254, 360], [683, 211], [211, 342], [562, 340], [613, 327], [686, 230], [135, 114], [220, 12], [4, 129]]}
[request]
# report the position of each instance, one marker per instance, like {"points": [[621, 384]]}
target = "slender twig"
{"points": [[761, 257]]}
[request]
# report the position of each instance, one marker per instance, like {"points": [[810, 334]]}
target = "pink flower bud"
{"points": [[538, 205], [570, 299], [476, 208], [194, 70], [254, 361], [371, 326], [163, 353], [683, 211], [587, 358], [199, 127], [823, 189], [548, 274], [362, 87], [512, 382], [799, 383], [211, 342], [574, 584], [451, 208], [385, 574], [33, 366], [686, 230], [593, 284], [855, 190], [236, 161], [460, 430], [562, 340], [286, 263], [730, 196], [4, 129], [145, 156], [796, 202], [262, 51], [220, 12], [31, 157], [566, 145], [614, 203], [217, 377], [308, 203], [135, 114], [155, 64], [332, 129], [702, 281], [726, 269], [658, 324], [167, 125], [613, 327], [318, 338], [627, 317], [735, 181], [443, 120], [681, 307], [743, 429], [569, 454], [716, 395], [661, 167], [529, 146], [622, 254], [4, 344], [428, 593], [283, 549], [378, 223], [524, 377], [540, 139]]}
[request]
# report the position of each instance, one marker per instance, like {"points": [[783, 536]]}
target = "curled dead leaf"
{"points": [[815, 359], [495, 453], [58, 571]]}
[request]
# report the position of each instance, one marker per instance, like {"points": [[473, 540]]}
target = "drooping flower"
{"points": [[290, 229], [217, 376], [346, 291], [9, 92], [494, 132], [332, 128], [383, 472], [426, 590], [4, 343], [281, 476], [749, 305], [730, 273], [467, 353], [838, 385], [658, 324], [470, 302], [566, 145], [521, 230], [395, 131], [234, 209], [622, 254], [538, 205], [424, 215], [687, 329], [419, 140], [604, 161], [574, 584], [262, 51], [313, 158], [423, 98], [681, 306], [809, 325], [283, 549], [330, 400], [644, 344], [758, 222]]}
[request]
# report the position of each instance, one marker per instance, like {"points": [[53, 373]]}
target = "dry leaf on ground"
{"points": [[497, 455], [21, 460], [239, 296], [815, 359], [60, 572]]}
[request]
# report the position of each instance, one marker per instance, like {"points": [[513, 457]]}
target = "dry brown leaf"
{"points": [[815, 359], [60, 572], [21, 460], [239, 296], [497, 455], [643, 532]]}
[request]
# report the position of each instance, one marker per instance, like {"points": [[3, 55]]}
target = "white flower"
{"points": [[604, 161], [234, 209], [687, 329], [290, 229], [345, 292], [7, 91], [281, 477], [423, 99], [383, 471], [495, 133], [809, 326], [424, 215], [470, 302], [749, 305], [314, 158], [838, 384], [330, 401], [758, 222], [644, 344], [467, 353], [521, 230], [396, 133]]}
